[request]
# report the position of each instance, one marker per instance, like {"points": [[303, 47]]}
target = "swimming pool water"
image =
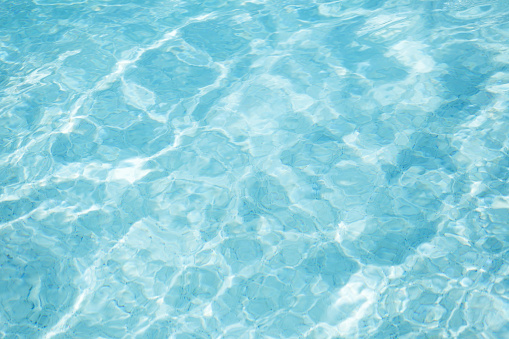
{"points": [[254, 169]]}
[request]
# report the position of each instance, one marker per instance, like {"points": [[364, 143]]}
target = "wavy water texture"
{"points": [[255, 169]]}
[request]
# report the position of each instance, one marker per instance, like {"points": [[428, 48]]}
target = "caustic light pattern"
{"points": [[254, 169]]}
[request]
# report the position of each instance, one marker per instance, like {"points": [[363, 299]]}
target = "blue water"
{"points": [[254, 169]]}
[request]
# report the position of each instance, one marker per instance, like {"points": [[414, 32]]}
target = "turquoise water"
{"points": [[254, 169]]}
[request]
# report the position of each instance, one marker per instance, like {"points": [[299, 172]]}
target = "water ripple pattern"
{"points": [[254, 169]]}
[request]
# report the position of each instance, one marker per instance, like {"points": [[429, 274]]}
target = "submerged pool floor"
{"points": [[254, 169]]}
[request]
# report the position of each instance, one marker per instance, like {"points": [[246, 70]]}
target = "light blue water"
{"points": [[254, 169]]}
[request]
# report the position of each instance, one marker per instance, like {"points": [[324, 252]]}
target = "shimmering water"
{"points": [[254, 169]]}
